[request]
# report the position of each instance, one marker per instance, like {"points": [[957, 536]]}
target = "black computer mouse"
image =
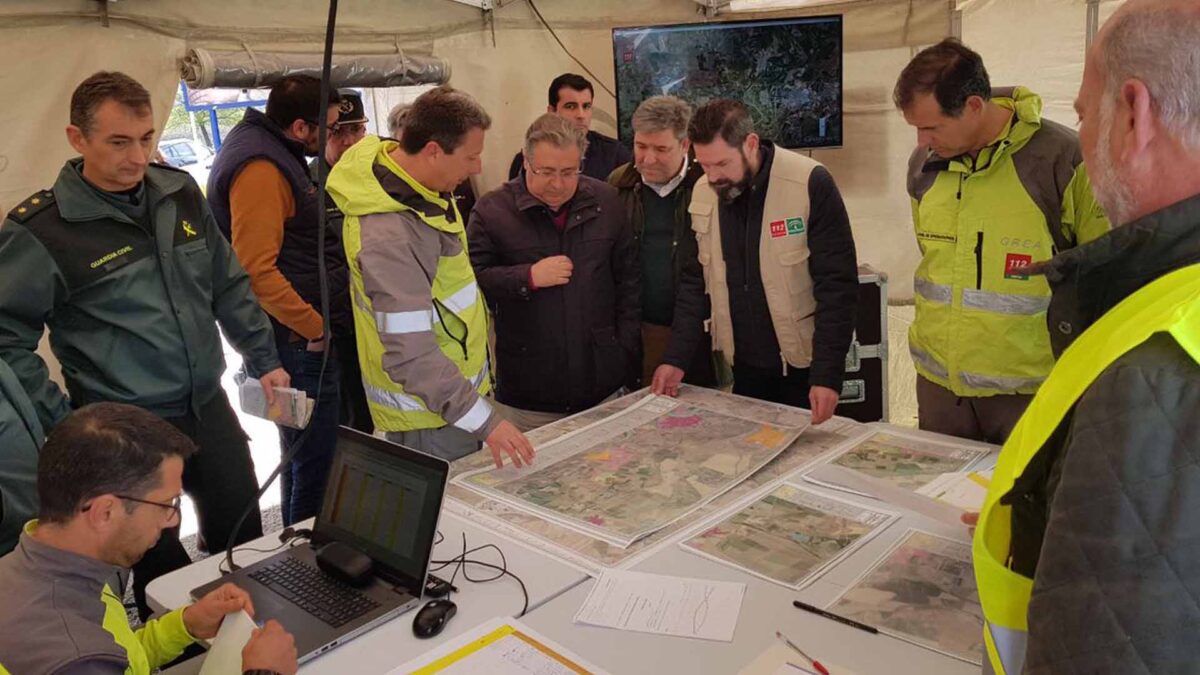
{"points": [[433, 617]]}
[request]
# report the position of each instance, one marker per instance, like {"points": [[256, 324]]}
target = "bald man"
{"points": [[1099, 481]]}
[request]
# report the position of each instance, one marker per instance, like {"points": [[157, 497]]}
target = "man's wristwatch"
{"points": [[259, 671]]}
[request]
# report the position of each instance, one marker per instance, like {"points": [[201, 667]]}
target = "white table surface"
{"points": [[766, 607], [393, 643]]}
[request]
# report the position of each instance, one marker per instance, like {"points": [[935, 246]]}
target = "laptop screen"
{"points": [[383, 499]]}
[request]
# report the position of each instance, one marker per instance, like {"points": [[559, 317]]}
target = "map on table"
{"points": [[790, 535], [921, 591], [904, 461], [592, 555], [631, 473]]}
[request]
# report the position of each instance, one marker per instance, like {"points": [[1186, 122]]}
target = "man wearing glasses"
{"points": [[351, 127], [557, 262], [266, 204], [110, 478]]}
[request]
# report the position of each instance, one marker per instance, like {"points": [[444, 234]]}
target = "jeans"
{"points": [[220, 480], [303, 479]]}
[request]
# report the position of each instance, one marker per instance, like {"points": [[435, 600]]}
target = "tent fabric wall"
{"points": [[506, 62], [48, 46]]}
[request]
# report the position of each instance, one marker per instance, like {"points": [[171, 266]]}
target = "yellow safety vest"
{"points": [[980, 324], [457, 309], [1170, 304]]}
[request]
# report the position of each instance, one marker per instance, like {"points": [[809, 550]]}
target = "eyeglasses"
{"points": [[328, 129], [352, 130], [173, 506], [565, 174]]}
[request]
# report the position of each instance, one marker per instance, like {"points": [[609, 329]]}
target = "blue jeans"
{"points": [[303, 480]]}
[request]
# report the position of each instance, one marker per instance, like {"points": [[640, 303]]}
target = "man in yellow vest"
{"points": [[778, 264], [419, 318], [1085, 553], [995, 189]]}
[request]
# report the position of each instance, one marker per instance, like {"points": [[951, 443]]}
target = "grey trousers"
{"points": [[448, 443], [979, 418]]}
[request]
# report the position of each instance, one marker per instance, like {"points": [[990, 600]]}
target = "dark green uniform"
{"points": [[132, 287]]}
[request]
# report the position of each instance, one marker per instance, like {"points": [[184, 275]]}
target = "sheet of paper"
{"points": [[779, 660], [225, 654], [664, 605], [498, 647], [964, 489]]}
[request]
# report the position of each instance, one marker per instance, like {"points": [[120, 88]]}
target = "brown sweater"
{"points": [[261, 202]]}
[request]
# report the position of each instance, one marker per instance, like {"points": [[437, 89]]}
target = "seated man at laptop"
{"points": [[109, 482]]}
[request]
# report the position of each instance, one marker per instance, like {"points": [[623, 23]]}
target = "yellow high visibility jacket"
{"points": [[421, 292], [980, 326], [1170, 304]]}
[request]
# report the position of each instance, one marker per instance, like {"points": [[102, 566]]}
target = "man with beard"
{"points": [[266, 204], [995, 189], [776, 249], [1085, 554]]}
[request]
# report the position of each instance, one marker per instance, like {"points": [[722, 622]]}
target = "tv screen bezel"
{"points": [[841, 24]]}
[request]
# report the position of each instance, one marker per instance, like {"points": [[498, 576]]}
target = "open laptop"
{"points": [[383, 500]]}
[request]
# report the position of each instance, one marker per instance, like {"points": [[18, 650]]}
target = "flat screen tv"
{"points": [[787, 71]]}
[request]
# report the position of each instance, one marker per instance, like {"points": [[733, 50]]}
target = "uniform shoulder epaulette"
{"points": [[32, 206]]}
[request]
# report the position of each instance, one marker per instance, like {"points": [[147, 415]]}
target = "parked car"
{"points": [[184, 153]]}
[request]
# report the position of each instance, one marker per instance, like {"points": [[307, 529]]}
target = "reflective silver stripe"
{"points": [[361, 302], [1004, 303], [977, 381], [933, 292], [463, 299], [393, 399], [404, 322], [926, 361], [476, 417], [482, 374], [1010, 647]]}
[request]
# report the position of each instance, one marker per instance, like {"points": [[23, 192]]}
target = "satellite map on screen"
{"points": [[787, 72]]}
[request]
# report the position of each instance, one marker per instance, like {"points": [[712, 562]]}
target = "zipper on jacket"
{"points": [[961, 178], [979, 262]]}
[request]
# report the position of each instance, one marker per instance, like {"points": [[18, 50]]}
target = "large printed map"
{"points": [[595, 555], [789, 535], [632, 473], [906, 462], [923, 591]]}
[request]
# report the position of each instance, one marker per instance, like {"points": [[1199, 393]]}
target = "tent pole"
{"points": [[1093, 21]]}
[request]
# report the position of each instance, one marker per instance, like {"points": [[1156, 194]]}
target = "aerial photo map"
{"points": [[638, 470], [905, 462], [789, 536], [922, 591], [788, 73]]}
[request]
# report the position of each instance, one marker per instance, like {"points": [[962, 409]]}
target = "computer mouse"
{"points": [[433, 617]]}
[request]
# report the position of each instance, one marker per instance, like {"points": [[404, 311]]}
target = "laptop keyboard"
{"points": [[315, 592]]}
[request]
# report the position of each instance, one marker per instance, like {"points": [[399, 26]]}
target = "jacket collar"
{"points": [[1026, 107], [626, 176], [55, 562], [1090, 280], [77, 200], [585, 194], [257, 118]]}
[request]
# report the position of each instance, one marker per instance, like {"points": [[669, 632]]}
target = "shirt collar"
{"points": [[664, 189]]}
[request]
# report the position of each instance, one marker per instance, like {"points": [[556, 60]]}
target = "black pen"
{"points": [[834, 617]]}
